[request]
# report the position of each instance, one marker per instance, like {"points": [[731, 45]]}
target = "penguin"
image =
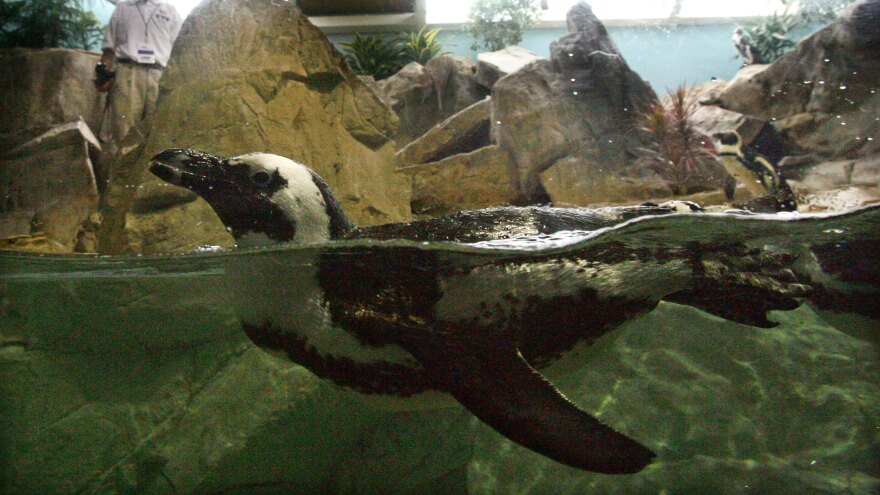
{"points": [[754, 171], [745, 48], [409, 320]]}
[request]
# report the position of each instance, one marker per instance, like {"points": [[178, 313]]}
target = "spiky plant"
{"points": [[373, 55], [420, 46], [679, 151]]}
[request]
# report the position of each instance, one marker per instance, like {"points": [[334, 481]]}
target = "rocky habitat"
{"points": [[124, 367]]}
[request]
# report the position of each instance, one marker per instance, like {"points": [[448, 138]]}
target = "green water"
{"points": [[132, 375]]}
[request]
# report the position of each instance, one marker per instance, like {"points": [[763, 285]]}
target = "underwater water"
{"points": [[133, 375]]}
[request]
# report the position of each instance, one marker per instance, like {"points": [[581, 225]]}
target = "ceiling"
{"points": [[356, 7]]}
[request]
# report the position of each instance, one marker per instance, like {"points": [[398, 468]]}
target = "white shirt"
{"points": [[142, 25]]}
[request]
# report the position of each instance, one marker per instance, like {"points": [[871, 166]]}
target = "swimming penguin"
{"points": [[403, 321], [754, 171]]}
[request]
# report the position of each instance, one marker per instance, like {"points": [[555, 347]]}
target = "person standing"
{"points": [[137, 44]]}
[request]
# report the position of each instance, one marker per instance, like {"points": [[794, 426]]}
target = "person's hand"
{"points": [[103, 87], [103, 78]]}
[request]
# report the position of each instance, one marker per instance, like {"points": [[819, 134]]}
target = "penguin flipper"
{"points": [[494, 382]]}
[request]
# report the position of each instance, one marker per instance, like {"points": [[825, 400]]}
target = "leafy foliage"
{"points": [[496, 24], [48, 24], [770, 35], [373, 55], [420, 46], [381, 56], [679, 151]]}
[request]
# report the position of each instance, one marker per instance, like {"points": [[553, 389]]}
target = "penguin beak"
{"points": [[186, 168]]}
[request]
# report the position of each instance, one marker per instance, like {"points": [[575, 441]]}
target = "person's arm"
{"points": [[108, 58], [104, 70]]}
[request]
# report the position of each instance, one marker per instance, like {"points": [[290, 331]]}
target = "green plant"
{"points": [[495, 24], [373, 55], [48, 23], [770, 35], [420, 46], [678, 150], [381, 56]]}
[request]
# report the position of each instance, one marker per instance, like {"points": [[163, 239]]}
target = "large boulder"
{"points": [[578, 110], [836, 185], [465, 131], [824, 92], [46, 88], [47, 185], [465, 181], [492, 66], [423, 96], [410, 92], [258, 76], [455, 84]]}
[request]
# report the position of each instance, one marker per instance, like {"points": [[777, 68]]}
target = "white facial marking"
{"points": [[301, 200]]}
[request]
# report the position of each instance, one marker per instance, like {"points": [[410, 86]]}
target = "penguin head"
{"points": [[261, 198], [727, 142]]}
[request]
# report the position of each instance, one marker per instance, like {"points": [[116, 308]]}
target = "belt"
{"points": [[128, 61]]}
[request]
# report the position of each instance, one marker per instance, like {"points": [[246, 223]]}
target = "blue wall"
{"points": [[665, 56]]}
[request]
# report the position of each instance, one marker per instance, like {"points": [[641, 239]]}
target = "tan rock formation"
{"points": [[465, 131], [410, 93], [258, 76], [578, 109], [464, 181], [47, 87], [492, 66], [824, 93], [47, 185]]}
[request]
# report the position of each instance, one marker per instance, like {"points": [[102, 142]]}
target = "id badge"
{"points": [[146, 55]]}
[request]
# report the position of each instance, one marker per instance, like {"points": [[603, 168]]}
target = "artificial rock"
{"points": [[410, 92], [580, 108], [463, 132], [492, 66], [48, 87], [251, 76], [47, 185], [465, 181], [824, 93]]}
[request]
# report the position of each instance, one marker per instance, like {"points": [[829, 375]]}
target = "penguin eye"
{"points": [[261, 178]]}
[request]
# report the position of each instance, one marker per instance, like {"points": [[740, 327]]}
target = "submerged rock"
{"points": [[251, 76]]}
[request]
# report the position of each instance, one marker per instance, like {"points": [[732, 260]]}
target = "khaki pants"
{"points": [[131, 99]]}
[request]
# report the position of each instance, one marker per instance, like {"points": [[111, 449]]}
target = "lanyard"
{"points": [[146, 20]]}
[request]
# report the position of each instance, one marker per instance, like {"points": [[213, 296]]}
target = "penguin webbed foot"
{"points": [[743, 284]]}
